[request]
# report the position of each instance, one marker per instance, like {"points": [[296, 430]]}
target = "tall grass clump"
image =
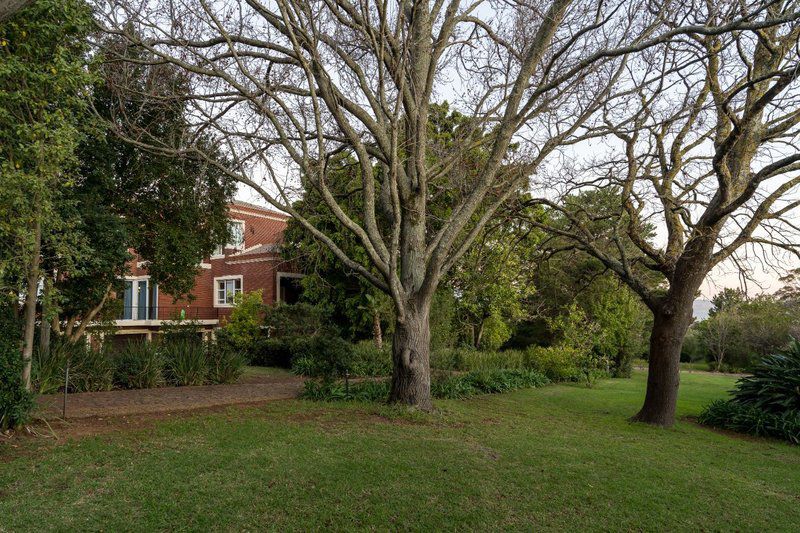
{"points": [[139, 366], [185, 361], [225, 363]]}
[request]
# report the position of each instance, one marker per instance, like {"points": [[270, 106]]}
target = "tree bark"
{"points": [[411, 377], [663, 376], [30, 304], [377, 334], [45, 326]]}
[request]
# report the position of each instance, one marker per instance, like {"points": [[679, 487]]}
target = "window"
{"points": [[226, 289], [237, 234], [140, 301], [236, 230]]}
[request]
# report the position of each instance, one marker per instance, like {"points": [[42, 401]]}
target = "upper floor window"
{"points": [[237, 234], [236, 230]]}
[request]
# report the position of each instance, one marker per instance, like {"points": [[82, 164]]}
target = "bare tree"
{"points": [[286, 86], [705, 152]]}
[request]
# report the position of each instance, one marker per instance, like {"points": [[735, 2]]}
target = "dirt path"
{"points": [[170, 399]]}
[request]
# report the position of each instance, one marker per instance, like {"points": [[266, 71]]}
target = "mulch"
{"points": [[169, 399]]}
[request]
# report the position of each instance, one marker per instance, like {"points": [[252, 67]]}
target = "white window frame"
{"points": [[279, 276], [236, 246], [219, 252], [216, 289], [135, 297]]}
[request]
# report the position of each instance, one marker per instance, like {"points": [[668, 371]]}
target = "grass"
{"points": [[555, 458], [265, 371]]}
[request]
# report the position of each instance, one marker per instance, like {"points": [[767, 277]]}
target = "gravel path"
{"points": [[170, 399]]}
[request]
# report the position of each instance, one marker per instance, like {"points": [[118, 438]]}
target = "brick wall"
{"points": [[258, 263]]}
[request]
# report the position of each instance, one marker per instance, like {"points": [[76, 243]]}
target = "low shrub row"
{"points": [[557, 363], [140, 365], [449, 386], [734, 416]]}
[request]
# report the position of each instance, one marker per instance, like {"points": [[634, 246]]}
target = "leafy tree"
{"points": [[43, 52], [726, 299]]}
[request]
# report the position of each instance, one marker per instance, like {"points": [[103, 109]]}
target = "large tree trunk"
{"points": [[411, 377], [30, 305], [670, 324]]}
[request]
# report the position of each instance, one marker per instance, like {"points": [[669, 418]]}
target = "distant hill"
{"points": [[701, 308]]}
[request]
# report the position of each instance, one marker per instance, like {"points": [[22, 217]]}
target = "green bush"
{"points": [[450, 359], [139, 366], [90, 370], [16, 403], [333, 391], [368, 360], [558, 363], [774, 386], [442, 387], [327, 357], [272, 352], [225, 365], [48, 368], [742, 418], [766, 403], [481, 360], [185, 361], [244, 325]]}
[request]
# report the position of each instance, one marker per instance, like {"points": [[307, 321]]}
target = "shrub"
{"points": [[481, 360], [774, 386], [450, 359], [89, 370], [333, 391], [225, 365], [298, 320], [139, 366], [368, 360], [48, 368], [16, 403], [185, 362], [244, 326], [272, 352], [442, 387], [327, 357], [558, 363], [766, 403], [735, 416]]}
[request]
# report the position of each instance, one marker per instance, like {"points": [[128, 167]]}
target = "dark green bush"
{"points": [[16, 403], [766, 403], [89, 369], [328, 357], [139, 365], [558, 363], [333, 391], [774, 386], [368, 360], [734, 416], [185, 361], [272, 352], [225, 365], [442, 387]]}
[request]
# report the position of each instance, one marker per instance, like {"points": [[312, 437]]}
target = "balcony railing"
{"points": [[167, 312]]}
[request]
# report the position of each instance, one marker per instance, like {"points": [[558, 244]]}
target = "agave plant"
{"points": [[774, 386]]}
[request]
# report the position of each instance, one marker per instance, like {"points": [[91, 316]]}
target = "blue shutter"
{"points": [[142, 301], [127, 301]]}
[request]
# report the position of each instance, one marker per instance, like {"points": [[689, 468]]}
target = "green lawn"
{"points": [[560, 457]]}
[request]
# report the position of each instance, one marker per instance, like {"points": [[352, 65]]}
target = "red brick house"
{"points": [[251, 261]]}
